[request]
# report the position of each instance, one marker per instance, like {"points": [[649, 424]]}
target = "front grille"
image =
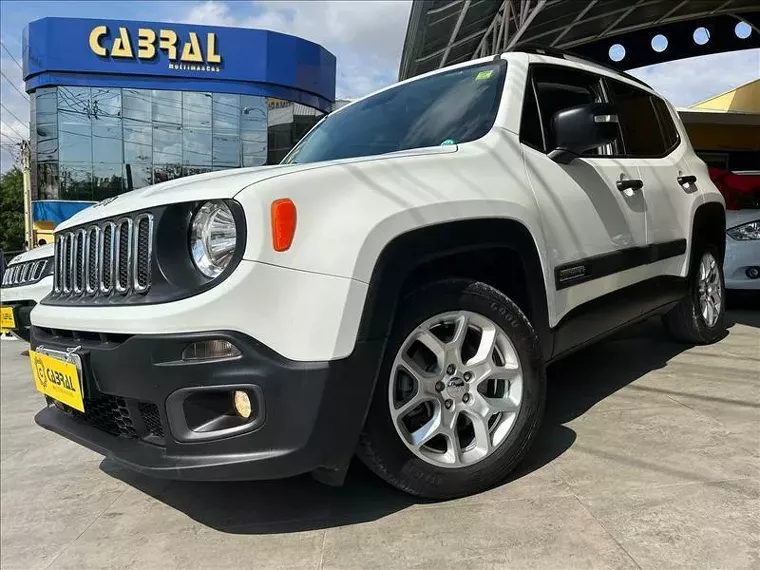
{"points": [[111, 257], [151, 418], [108, 413], [115, 415], [25, 273]]}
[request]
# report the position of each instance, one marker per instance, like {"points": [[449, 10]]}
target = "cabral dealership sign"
{"points": [[190, 53], [156, 55]]}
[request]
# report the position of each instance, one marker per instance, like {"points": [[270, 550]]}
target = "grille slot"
{"points": [[39, 269], [112, 256], [143, 246], [92, 243], [123, 255], [107, 258], [77, 258], [57, 268], [67, 265]]}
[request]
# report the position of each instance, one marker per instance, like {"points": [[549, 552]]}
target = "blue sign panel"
{"points": [[152, 55], [57, 211]]}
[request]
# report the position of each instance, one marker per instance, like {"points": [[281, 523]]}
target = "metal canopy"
{"points": [[444, 32]]}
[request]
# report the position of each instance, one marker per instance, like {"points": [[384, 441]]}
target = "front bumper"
{"points": [[741, 255], [312, 411], [22, 299]]}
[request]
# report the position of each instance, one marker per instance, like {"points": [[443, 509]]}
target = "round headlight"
{"points": [[213, 238]]}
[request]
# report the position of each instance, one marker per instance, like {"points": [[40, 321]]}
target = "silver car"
{"points": [[742, 263]]}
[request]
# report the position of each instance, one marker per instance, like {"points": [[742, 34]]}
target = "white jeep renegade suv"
{"points": [[26, 281], [394, 289]]}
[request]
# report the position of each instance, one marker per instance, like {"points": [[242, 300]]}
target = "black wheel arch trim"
{"points": [[413, 249], [709, 227]]}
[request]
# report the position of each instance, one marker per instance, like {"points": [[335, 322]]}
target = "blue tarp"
{"points": [[57, 210]]}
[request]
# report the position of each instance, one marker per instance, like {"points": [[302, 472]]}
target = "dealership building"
{"points": [[117, 105]]}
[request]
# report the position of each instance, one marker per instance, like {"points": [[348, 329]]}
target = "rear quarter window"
{"points": [[667, 125]]}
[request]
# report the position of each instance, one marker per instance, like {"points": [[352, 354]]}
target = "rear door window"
{"points": [[638, 121]]}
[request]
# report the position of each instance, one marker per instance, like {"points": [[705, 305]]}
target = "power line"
{"points": [[14, 116], [13, 149], [10, 54], [10, 138], [12, 85], [14, 130]]}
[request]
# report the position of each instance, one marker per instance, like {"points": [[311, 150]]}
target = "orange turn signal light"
{"points": [[283, 223]]}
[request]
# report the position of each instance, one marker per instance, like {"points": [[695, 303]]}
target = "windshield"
{"points": [[453, 107]]}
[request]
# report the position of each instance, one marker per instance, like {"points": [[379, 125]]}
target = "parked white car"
{"points": [[396, 287], [742, 265], [27, 279]]}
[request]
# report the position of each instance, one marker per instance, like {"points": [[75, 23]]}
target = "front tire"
{"points": [[460, 395], [700, 317]]}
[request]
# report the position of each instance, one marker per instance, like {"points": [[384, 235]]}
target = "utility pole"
{"points": [[28, 223]]}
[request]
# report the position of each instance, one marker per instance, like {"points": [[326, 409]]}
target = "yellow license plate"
{"points": [[58, 379], [7, 320]]}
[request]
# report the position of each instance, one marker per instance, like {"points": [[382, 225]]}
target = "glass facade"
{"points": [[94, 142]]}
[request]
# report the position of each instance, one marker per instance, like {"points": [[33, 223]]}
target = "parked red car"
{"points": [[740, 189]]}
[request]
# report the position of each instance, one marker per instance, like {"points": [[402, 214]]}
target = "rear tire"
{"points": [[700, 317], [493, 410]]}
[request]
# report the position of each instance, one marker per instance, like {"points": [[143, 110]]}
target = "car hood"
{"points": [[215, 186], [207, 186], [40, 252], [738, 217]]}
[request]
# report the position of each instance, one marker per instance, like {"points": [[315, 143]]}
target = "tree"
{"points": [[12, 210]]}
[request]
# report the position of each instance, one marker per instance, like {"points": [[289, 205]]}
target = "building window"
{"points": [[90, 143], [167, 107], [47, 180], [167, 144], [196, 146], [76, 181], [74, 124]]}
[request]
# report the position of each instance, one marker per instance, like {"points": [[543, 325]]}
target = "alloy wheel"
{"points": [[710, 290], [455, 389]]}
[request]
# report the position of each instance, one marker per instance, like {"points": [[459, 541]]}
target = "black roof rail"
{"points": [[564, 54]]}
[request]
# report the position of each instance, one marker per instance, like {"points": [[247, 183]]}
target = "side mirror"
{"points": [[582, 128]]}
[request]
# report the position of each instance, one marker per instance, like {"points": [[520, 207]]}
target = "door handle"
{"points": [[690, 179], [631, 183]]}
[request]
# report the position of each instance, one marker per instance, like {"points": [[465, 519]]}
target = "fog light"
{"points": [[242, 404], [753, 272], [210, 350]]}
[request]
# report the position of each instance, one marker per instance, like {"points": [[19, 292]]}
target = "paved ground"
{"points": [[650, 458]]}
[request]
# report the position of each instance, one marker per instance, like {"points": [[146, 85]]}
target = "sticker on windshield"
{"points": [[448, 142], [484, 75]]}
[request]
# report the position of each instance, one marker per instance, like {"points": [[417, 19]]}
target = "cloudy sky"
{"points": [[366, 36]]}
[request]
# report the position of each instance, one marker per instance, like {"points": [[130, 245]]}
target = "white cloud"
{"points": [[688, 81], [366, 37]]}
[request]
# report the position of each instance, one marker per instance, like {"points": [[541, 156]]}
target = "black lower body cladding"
{"points": [[308, 415]]}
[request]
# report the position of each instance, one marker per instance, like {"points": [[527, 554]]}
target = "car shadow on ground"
{"points": [[744, 307], [575, 385]]}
